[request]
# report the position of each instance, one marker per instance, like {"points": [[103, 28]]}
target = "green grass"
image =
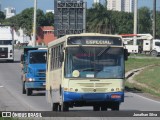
{"points": [[137, 88], [134, 63], [150, 76]]}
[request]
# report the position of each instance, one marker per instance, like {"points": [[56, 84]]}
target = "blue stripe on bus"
{"points": [[72, 96]]}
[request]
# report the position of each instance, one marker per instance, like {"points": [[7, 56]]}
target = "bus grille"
{"points": [[94, 84], [94, 87], [3, 52], [94, 90]]}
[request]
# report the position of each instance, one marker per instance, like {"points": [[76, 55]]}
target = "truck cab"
{"points": [[6, 43], [152, 46], [33, 62]]}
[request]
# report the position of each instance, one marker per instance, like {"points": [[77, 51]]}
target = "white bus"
{"points": [[6, 43], [86, 70]]}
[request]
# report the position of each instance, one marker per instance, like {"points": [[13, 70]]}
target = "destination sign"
{"points": [[94, 40]]}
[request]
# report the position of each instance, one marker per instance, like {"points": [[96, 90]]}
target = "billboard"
{"points": [[69, 17]]}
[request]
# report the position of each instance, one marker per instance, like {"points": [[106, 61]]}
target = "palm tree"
{"points": [[98, 20]]}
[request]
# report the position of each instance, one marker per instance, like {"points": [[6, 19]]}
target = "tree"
{"points": [[25, 20], [40, 18], [49, 19], [121, 22], [158, 24], [97, 19], [144, 20], [101, 20], [2, 16]]}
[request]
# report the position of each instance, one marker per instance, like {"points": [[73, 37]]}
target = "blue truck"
{"points": [[33, 63]]}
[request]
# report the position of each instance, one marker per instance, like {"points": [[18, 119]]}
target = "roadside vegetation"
{"points": [[134, 63], [149, 78]]}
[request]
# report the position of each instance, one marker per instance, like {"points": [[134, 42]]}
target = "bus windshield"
{"points": [[94, 62], [37, 58], [5, 42]]}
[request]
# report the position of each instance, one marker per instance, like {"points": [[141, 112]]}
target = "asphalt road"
{"points": [[12, 99]]}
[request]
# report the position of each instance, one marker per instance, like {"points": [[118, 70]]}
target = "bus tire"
{"points": [[115, 107], [54, 106], [29, 92], [65, 107], [23, 88], [96, 108], [104, 108]]}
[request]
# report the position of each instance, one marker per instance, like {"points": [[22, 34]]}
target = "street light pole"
{"points": [[135, 22], [154, 19], [34, 24]]}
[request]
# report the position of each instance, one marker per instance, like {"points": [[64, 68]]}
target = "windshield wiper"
{"points": [[105, 49]]}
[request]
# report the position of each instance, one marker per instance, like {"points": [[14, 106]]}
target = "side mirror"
{"points": [[61, 56], [126, 54]]}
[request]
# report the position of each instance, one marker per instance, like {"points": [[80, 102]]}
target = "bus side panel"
{"points": [[55, 84], [48, 95]]}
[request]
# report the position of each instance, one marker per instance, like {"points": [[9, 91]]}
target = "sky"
{"points": [[20, 5]]}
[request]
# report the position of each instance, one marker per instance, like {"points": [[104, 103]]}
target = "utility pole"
{"points": [[154, 19], [135, 22], [34, 24]]}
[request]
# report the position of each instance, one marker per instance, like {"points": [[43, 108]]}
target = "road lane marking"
{"points": [[1, 86], [146, 98]]}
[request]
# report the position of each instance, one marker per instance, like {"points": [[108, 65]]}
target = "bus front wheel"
{"points": [[54, 106], [64, 106]]}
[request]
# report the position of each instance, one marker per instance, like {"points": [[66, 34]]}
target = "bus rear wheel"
{"points": [[115, 107], [103, 108], [96, 108]]}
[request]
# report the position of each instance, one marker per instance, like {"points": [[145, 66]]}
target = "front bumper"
{"points": [[93, 97], [36, 85]]}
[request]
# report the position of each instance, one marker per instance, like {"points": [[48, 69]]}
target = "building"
{"points": [[129, 5], [10, 12], [52, 11], [121, 5], [96, 1], [21, 37], [45, 35]]}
